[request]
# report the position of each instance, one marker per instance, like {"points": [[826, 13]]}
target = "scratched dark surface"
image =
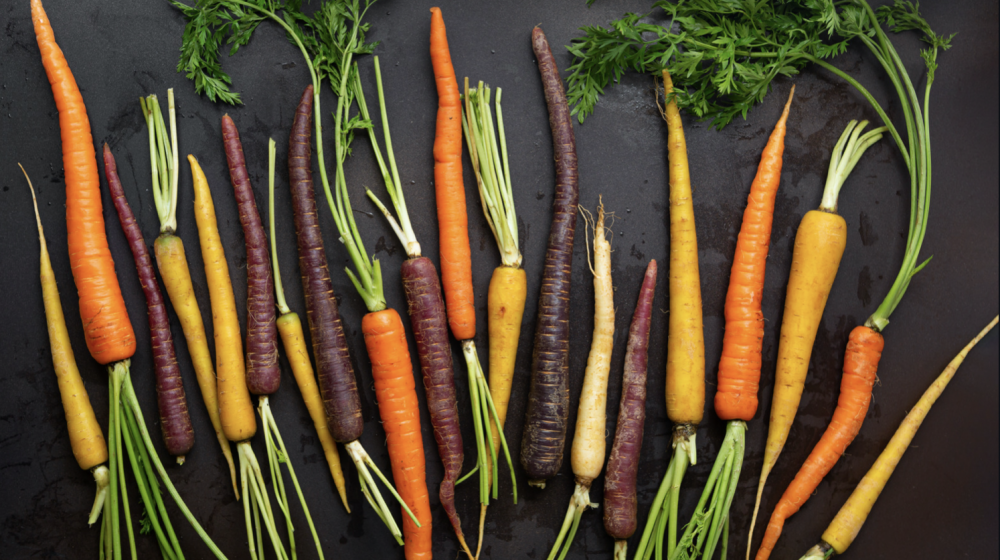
{"points": [[942, 501]]}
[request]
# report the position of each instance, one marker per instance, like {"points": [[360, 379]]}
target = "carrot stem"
{"points": [[279, 290]]}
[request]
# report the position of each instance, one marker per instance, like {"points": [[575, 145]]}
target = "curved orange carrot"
{"points": [[106, 324], [864, 349], [456, 257], [392, 370], [739, 367]]}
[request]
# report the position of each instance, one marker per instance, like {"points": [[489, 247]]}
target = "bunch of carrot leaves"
{"points": [[724, 56]]}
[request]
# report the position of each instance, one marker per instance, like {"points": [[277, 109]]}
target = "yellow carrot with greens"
{"points": [[85, 435], [172, 261], [848, 522]]}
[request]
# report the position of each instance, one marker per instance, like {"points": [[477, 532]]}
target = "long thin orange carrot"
{"points": [[739, 367], [456, 258], [864, 349], [106, 324], [392, 370]]}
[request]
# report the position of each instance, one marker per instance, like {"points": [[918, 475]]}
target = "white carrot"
{"points": [[588, 451]]}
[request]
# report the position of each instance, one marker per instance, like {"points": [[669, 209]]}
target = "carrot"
{"points": [[548, 399], [819, 246], [456, 260], [739, 367], [289, 325], [109, 334], [685, 387], [426, 308], [587, 455], [85, 435], [178, 434], [508, 285], [172, 261], [848, 522], [623, 464]]}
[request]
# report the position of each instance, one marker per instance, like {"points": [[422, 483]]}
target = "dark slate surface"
{"points": [[942, 501]]}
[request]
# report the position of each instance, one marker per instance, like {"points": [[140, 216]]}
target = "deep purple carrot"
{"points": [[178, 435], [335, 373], [262, 371], [548, 400], [619, 482], [430, 329]]}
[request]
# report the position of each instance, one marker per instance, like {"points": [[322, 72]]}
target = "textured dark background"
{"points": [[942, 501]]}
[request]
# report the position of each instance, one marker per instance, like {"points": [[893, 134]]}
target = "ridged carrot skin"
{"points": [[686, 333], [106, 324], [392, 371], [337, 383], [739, 366], [430, 330], [505, 311], [178, 434], [85, 435], [548, 400], [262, 370], [864, 349], [620, 502], [453, 221], [235, 409]]}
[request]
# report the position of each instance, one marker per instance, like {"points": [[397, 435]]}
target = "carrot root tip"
{"points": [[821, 551]]}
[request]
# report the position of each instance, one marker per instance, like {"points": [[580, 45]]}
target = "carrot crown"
{"points": [[489, 161], [846, 154], [163, 159]]}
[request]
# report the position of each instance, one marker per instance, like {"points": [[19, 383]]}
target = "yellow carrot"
{"points": [[507, 293], [848, 522], [235, 409], [85, 435]]}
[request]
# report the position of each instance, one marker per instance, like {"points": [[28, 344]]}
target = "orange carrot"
{"points": [[106, 325], [456, 259], [739, 367], [864, 349], [392, 370]]}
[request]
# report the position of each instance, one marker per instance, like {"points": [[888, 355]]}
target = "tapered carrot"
{"points": [[108, 331], [85, 435], [819, 245], [852, 515], [164, 159], [739, 367], [548, 399], [685, 388]]}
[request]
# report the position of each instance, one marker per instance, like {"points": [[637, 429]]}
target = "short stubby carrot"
{"points": [[392, 371]]}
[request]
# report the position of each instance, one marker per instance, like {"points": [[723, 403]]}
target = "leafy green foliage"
{"points": [[326, 36]]}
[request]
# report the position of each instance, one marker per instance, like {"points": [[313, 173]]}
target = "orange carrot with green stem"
{"points": [[739, 367], [107, 328], [456, 257]]}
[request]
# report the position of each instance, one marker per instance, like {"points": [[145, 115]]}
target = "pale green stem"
{"points": [[279, 290]]}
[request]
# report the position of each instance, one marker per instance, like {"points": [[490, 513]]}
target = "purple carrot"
{"points": [[430, 329], [335, 373], [623, 466], [548, 400], [178, 435], [262, 371]]}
